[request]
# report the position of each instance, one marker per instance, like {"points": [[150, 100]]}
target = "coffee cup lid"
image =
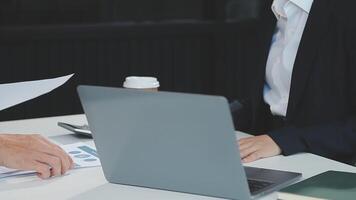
{"points": [[137, 82]]}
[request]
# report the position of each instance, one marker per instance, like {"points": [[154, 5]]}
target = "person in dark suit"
{"points": [[301, 81]]}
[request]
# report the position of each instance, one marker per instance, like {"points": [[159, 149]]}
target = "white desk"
{"points": [[91, 184]]}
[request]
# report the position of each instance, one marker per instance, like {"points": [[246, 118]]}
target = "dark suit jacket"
{"points": [[321, 115]]}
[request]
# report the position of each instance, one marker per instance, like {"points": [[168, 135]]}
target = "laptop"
{"points": [[173, 141]]}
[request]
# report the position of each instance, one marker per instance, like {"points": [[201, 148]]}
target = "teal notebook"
{"points": [[328, 185]]}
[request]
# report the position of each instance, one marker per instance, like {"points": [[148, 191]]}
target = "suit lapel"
{"points": [[308, 48], [267, 28]]}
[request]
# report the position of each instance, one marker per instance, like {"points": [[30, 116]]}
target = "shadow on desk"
{"points": [[25, 182], [114, 191], [70, 139]]}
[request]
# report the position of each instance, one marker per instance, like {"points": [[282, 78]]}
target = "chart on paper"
{"points": [[83, 155]]}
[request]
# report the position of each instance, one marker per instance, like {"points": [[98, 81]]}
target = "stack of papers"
{"points": [[83, 155]]}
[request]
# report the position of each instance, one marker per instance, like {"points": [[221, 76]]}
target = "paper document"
{"points": [[83, 155], [16, 93]]}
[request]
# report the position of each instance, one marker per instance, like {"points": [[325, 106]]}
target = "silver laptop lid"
{"points": [[172, 141]]}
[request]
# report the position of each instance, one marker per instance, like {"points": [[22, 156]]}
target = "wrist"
{"points": [[2, 144]]}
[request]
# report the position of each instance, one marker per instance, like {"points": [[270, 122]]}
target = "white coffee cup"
{"points": [[143, 83]]}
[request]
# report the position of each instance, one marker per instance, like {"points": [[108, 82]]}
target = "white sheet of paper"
{"points": [[83, 155], [16, 93]]}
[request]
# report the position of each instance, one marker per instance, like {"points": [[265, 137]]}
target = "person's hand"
{"points": [[258, 147], [33, 153]]}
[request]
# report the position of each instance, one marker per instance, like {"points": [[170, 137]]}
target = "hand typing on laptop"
{"points": [[33, 153]]}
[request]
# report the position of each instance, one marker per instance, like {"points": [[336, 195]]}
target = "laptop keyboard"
{"points": [[256, 186]]}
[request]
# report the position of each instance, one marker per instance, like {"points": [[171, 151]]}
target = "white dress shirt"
{"points": [[292, 17]]}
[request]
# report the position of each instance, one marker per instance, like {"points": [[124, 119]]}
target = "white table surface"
{"points": [[91, 184]]}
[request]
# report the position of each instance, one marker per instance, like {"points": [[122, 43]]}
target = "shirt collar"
{"points": [[303, 4], [278, 6]]}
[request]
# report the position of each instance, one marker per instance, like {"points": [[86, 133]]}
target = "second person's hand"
{"points": [[257, 147]]}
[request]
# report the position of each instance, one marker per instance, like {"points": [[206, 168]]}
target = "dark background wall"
{"points": [[190, 45]]}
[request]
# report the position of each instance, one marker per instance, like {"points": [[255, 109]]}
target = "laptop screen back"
{"points": [[171, 141]]}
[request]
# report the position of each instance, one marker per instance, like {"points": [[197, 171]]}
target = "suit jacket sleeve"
{"points": [[336, 139]]}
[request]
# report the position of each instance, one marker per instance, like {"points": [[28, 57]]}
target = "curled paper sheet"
{"points": [[16, 93]]}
